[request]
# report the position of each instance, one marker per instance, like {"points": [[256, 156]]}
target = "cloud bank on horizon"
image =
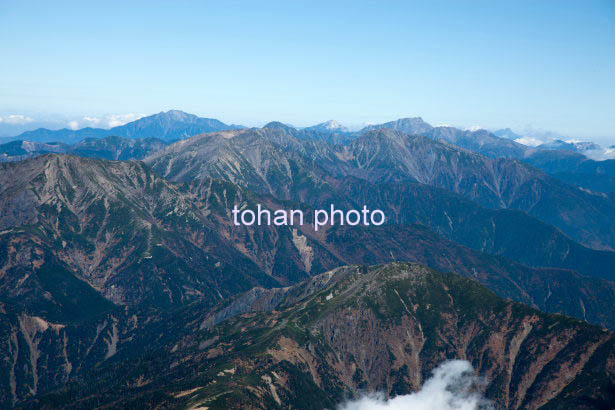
{"points": [[15, 119], [105, 121], [13, 124], [539, 138]]}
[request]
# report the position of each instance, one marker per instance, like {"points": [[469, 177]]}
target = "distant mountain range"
{"points": [[167, 126], [160, 129], [174, 125]]}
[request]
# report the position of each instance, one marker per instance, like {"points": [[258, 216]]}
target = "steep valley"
{"points": [[382, 328]]}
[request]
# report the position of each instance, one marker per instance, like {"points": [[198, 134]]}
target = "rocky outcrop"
{"points": [[356, 329]]}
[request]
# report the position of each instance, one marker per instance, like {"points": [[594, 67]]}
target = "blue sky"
{"points": [[544, 64]]}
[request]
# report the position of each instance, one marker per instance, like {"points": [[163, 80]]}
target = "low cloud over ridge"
{"points": [[106, 121], [454, 385]]}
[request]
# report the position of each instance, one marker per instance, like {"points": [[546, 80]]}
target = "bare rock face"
{"points": [[387, 155], [354, 329], [117, 230], [117, 227], [281, 163], [410, 126]]}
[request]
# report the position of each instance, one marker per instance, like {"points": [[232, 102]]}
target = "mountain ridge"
{"points": [[279, 162], [388, 325], [167, 126]]}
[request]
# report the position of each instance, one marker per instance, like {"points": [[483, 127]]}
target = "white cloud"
{"points": [[474, 128], [121, 119], [600, 154], [106, 121], [529, 141], [15, 119], [91, 121], [453, 386]]}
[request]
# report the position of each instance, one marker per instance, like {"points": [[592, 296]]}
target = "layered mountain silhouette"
{"points": [[125, 283], [167, 126], [174, 125]]}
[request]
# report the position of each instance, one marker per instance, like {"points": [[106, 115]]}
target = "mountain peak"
{"points": [[328, 126], [169, 126], [171, 115], [332, 124], [506, 133], [277, 125], [177, 114], [409, 125]]}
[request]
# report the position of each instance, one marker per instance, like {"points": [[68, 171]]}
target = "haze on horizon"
{"points": [[541, 65]]}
